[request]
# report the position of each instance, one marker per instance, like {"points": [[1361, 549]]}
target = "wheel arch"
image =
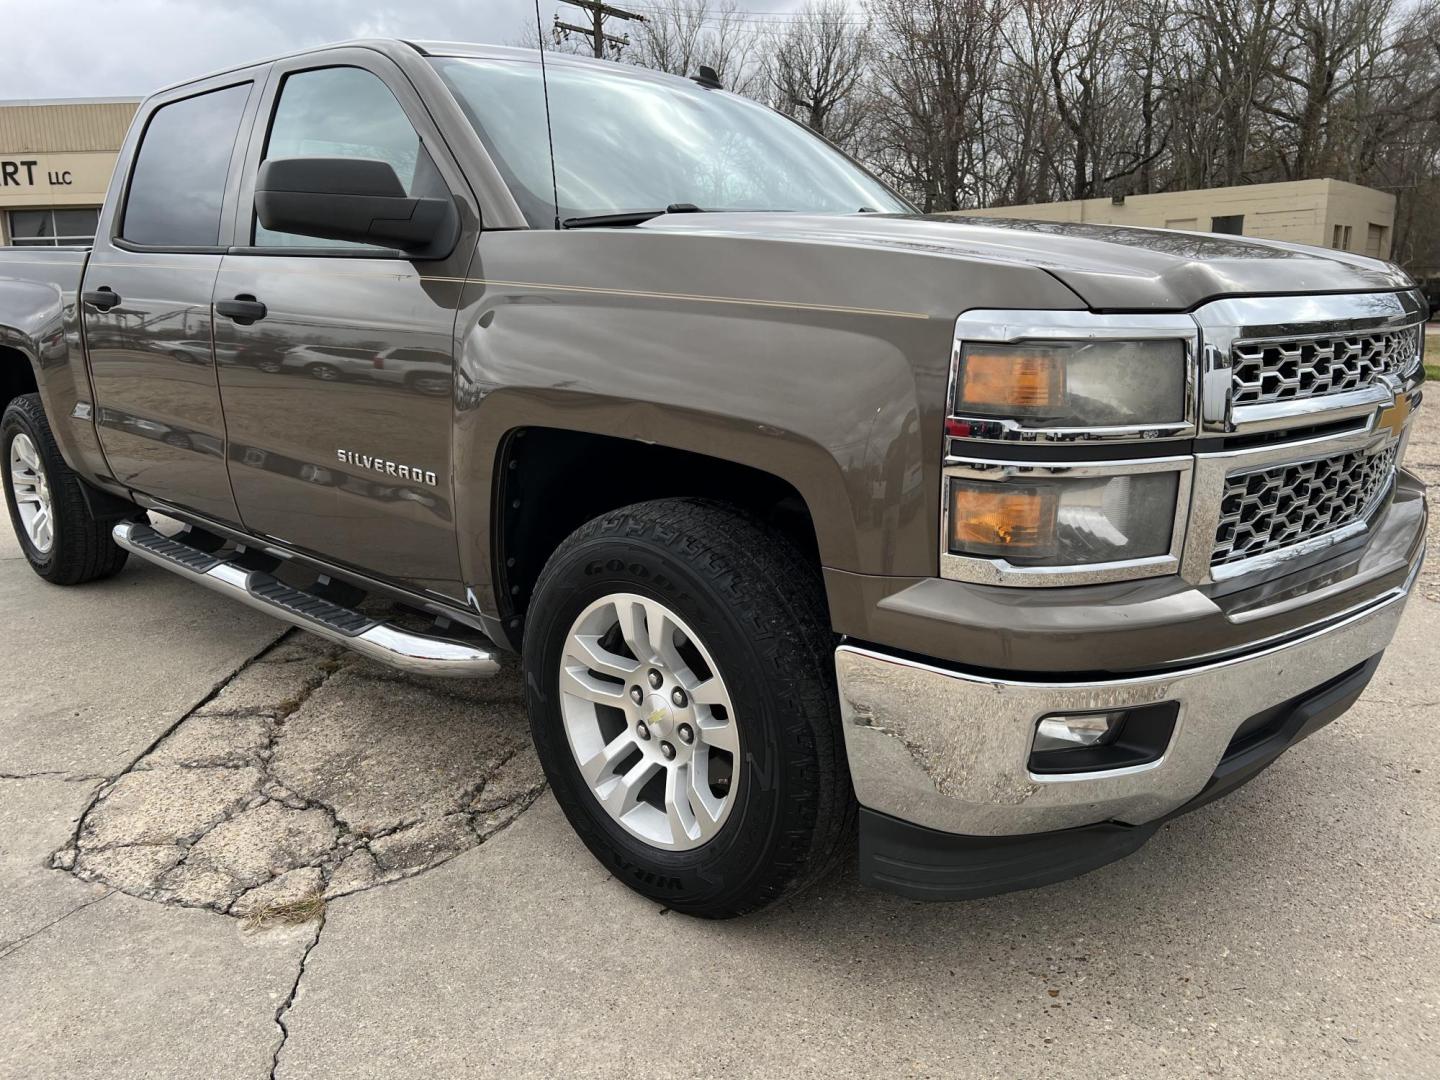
{"points": [[17, 374], [78, 446], [536, 502]]}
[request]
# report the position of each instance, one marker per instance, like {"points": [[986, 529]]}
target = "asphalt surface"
{"points": [[175, 768]]}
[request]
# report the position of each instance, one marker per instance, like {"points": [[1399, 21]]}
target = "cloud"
{"points": [[60, 48], [66, 48]]}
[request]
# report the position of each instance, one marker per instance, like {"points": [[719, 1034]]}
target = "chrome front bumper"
{"points": [[949, 750]]}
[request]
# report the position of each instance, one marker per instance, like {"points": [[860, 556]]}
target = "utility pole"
{"points": [[599, 12]]}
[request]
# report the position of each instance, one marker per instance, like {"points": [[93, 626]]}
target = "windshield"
{"points": [[627, 141]]}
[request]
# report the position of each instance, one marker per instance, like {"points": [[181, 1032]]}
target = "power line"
{"points": [[742, 15], [599, 12], [718, 12]]}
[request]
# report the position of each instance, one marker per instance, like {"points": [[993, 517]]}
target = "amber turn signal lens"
{"points": [[1001, 519], [999, 377]]}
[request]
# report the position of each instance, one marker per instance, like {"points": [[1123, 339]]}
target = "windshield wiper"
{"points": [[633, 217]]}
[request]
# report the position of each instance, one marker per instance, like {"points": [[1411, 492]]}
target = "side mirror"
{"points": [[355, 199]]}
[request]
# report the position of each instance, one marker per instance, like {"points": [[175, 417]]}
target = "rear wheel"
{"points": [[63, 543], [680, 682]]}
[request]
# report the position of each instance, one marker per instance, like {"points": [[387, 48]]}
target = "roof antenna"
{"points": [[549, 133], [707, 78]]}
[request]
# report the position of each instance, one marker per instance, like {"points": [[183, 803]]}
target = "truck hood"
{"points": [[1110, 267]]}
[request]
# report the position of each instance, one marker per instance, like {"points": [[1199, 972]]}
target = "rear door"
{"points": [[147, 294], [339, 408]]}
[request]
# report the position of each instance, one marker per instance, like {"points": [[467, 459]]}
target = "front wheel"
{"points": [[680, 682], [63, 543]]}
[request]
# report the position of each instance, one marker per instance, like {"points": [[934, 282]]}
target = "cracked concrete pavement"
{"points": [[310, 772], [228, 850]]}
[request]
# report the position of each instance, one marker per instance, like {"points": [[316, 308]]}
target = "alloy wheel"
{"points": [[649, 721], [32, 493]]}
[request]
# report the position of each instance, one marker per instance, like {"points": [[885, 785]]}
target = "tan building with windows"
{"points": [[56, 158], [1326, 213]]}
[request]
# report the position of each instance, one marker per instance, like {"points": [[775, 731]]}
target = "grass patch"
{"points": [[291, 912], [1432, 371]]}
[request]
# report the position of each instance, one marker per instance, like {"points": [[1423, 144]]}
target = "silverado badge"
{"points": [[388, 468]]}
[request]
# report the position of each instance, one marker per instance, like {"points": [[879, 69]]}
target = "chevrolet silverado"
{"points": [[990, 545]]}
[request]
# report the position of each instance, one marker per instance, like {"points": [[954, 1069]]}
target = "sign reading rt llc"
{"points": [[10, 174]]}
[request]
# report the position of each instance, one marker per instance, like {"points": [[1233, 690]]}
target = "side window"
{"points": [[344, 112], [178, 183]]}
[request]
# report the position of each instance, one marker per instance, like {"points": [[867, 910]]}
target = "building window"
{"points": [[1232, 224], [1340, 238], [47, 228]]}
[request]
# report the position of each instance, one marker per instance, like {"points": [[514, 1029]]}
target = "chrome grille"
{"points": [[1289, 369], [1274, 508]]}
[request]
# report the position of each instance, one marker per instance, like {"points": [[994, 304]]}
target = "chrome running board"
{"points": [[419, 654]]}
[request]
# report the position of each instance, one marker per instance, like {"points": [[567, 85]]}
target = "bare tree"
{"points": [[1231, 46], [680, 35], [985, 102], [1026, 135], [1145, 52], [1081, 37], [1316, 68], [816, 67], [936, 64]]}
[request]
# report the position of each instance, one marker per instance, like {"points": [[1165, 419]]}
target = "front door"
{"points": [[338, 399], [146, 303]]}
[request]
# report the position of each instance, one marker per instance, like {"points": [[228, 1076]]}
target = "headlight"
{"points": [[1073, 384], [1071, 521], [1045, 481]]}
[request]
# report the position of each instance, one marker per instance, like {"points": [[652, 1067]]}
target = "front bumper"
{"points": [[947, 750], [928, 864]]}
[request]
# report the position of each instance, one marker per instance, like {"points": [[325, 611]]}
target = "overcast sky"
{"points": [[68, 48]]}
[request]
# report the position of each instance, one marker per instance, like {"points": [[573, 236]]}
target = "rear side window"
{"points": [[178, 184]]}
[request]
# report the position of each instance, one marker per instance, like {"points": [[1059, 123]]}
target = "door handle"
{"points": [[103, 298], [244, 309]]}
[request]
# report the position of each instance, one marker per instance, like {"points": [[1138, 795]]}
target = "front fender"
{"points": [[824, 368]]}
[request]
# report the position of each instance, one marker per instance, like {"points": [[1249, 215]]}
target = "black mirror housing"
{"points": [[356, 199]]}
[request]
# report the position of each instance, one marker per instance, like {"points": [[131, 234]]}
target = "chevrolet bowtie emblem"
{"points": [[1393, 417]]}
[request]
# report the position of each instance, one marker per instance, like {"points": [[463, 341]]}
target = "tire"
{"points": [[79, 548], [323, 372], [750, 608]]}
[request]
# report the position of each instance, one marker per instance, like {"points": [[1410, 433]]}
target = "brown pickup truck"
{"points": [[993, 544]]}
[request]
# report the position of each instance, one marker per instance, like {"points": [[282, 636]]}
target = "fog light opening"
{"points": [[1097, 741], [1072, 732]]}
